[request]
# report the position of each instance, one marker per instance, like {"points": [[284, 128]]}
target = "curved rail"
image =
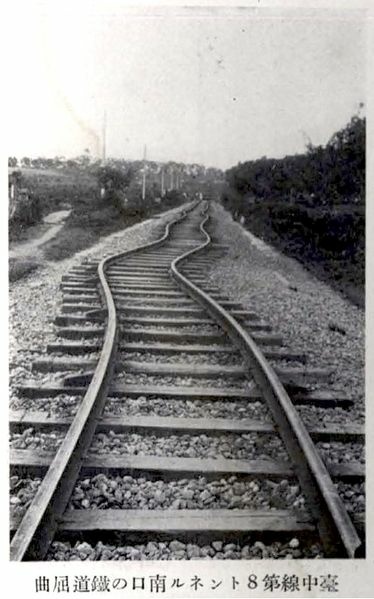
{"points": [[335, 527], [39, 524]]}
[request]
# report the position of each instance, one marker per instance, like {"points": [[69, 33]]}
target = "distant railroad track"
{"points": [[146, 324]]}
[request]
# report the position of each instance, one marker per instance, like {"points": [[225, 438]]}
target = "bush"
{"points": [[20, 267], [312, 206], [329, 175]]}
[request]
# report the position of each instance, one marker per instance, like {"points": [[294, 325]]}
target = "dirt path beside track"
{"points": [[52, 223]]}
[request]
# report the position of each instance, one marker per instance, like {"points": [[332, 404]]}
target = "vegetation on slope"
{"points": [[311, 206], [102, 199]]}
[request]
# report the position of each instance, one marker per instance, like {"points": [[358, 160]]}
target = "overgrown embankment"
{"points": [[311, 206]]}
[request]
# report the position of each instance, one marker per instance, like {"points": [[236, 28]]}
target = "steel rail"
{"points": [[40, 522], [337, 532]]}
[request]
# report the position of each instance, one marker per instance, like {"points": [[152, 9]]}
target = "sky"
{"points": [[193, 85]]}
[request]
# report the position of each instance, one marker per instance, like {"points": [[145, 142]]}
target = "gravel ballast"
{"points": [[127, 492], [321, 417], [36, 300], [22, 492], [300, 307], [353, 496], [248, 446], [337, 452], [309, 315], [223, 358], [185, 381], [196, 408], [210, 329], [38, 441], [64, 405], [179, 550]]}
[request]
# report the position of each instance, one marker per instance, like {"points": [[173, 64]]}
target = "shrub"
{"points": [[20, 267]]}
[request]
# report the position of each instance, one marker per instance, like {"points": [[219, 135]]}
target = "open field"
{"points": [[90, 218]]}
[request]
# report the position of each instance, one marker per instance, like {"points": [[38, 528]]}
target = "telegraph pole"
{"points": [[144, 172], [172, 179], [103, 149]]}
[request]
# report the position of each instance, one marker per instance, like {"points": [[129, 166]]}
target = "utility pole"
{"points": [[103, 149], [162, 182], [172, 179], [144, 172]]}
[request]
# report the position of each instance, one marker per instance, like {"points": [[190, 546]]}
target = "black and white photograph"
{"points": [[186, 265]]}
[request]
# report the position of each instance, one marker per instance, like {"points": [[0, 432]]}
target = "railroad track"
{"points": [[160, 383]]}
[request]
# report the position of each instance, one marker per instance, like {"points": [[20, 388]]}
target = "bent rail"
{"points": [[335, 527], [39, 524]]}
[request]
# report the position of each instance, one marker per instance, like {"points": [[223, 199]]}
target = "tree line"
{"points": [[322, 176], [87, 162], [311, 205]]}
